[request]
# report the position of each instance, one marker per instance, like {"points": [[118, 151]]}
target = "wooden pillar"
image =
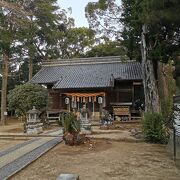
{"points": [[78, 105], [50, 99], [133, 94], [60, 101], [93, 106], [100, 110], [104, 100]]}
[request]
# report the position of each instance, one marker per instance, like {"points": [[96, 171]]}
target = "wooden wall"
{"points": [[122, 92]]}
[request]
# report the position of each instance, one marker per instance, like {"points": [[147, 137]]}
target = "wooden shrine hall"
{"points": [[98, 82]]}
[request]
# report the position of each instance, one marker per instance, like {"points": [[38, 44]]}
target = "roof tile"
{"points": [[87, 75]]}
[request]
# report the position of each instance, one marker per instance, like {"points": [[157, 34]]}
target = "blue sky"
{"points": [[78, 12]]}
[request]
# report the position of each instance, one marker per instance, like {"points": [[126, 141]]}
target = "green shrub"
{"points": [[153, 128], [23, 97]]}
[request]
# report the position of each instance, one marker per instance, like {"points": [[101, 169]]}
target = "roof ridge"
{"points": [[92, 60]]}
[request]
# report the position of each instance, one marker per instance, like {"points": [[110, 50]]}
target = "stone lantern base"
{"points": [[35, 129]]}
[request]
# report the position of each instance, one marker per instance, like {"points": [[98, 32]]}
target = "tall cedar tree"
{"points": [[12, 16], [151, 25]]}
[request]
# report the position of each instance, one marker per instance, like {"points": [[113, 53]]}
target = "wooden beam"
{"points": [[137, 83], [122, 90]]}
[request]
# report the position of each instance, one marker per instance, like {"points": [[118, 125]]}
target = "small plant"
{"points": [[153, 128], [76, 126], [72, 129], [70, 123]]}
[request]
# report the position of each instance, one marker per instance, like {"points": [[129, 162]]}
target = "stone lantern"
{"points": [[33, 125]]}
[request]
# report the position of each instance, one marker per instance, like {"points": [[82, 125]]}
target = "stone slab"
{"points": [[68, 177]]}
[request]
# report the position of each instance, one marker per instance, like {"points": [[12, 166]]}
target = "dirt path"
{"points": [[104, 160]]}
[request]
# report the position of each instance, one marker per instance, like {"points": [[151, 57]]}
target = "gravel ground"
{"points": [[100, 160], [104, 160]]}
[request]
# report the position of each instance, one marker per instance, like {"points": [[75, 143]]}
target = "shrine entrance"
{"points": [[94, 102]]}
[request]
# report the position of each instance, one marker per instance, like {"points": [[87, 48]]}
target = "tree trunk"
{"points": [[163, 85], [5, 67], [149, 81], [30, 68]]}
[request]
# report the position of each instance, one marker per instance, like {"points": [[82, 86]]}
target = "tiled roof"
{"points": [[87, 73]]}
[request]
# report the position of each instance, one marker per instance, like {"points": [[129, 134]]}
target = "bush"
{"points": [[23, 97], [153, 128]]}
